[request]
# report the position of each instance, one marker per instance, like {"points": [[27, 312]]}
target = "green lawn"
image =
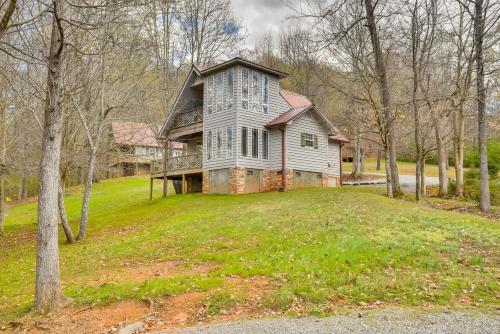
{"points": [[317, 247], [404, 168]]}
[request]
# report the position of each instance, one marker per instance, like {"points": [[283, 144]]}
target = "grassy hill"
{"points": [[309, 250]]}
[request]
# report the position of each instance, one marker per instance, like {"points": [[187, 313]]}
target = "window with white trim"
{"points": [[256, 91], [244, 141], [219, 143], [209, 145], [244, 89], [255, 143], [210, 87], [265, 94], [308, 140], [220, 91], [230, 88], [229, 141], [265, 144]]}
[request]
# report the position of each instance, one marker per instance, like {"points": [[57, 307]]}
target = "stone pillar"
{"points": [[324, 180], [289, 179], [237, 180], [205, 187]]}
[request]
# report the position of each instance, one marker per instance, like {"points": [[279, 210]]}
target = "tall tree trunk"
{"points": [[379, 154], [441, 152], [388, 173], [386, 99], [423, 188], [3, 171], [356, 159], [86, 196], [25, 184], [481, 107], [70, 239], [48, 293], [2, 202], [458, 149], [362, 159]]}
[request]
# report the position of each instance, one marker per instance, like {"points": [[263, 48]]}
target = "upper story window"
{"points": [[256, 91], [265, 94], [229, 141], [308, 140], [220, 91], [210, 87], [244, 89], [230, 89]]}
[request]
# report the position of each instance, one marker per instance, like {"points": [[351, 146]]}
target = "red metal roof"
{"points": [[338, 137], [295, 100], [135, 134], [287, 116]]}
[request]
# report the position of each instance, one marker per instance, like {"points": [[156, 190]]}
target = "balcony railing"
{"points": [[180, 163], [188, 117]]}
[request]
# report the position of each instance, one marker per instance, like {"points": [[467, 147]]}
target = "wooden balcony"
{"points": [[184, 164]]}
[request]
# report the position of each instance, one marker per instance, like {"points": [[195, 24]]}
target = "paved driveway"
{"points": [[386, 322]]}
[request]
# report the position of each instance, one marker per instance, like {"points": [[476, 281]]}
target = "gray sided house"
{"points": [[244, 134]]}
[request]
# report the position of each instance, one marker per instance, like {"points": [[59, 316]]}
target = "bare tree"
{"points": [[48, 292]]}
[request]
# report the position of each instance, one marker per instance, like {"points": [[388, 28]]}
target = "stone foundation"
{"points": [[324, 180], [237, 180], [206, 184], [272, 180]]}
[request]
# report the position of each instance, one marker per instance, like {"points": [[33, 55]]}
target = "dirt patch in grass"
{"points": [[144, 272], [178, 311], [84, 319]]}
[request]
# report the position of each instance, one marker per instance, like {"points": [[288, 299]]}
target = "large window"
{"points": [[255, 143], [210, 87], [229, 141], [244, 89], [220, 91], [219, 143], [265, 144], [244, 141], [230, 88], [256, 92], [308, 140], [265, 94], [209, 145]]}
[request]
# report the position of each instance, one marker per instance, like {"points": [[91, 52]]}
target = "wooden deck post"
{"points": [[183, 183], [165, 161], [151, 188]]}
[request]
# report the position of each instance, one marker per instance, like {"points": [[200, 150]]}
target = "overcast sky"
{"points": [[262, 16]]}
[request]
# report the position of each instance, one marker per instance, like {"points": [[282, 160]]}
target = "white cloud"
{"points": [[262, 16]]}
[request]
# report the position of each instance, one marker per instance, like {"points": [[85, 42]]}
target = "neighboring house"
{"points": [[244, 134], [134, 146]]}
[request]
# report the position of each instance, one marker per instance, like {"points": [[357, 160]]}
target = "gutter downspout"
{"points": [[283, 157], [340, 179]]}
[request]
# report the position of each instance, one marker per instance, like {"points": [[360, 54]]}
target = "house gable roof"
{"points": [[133, 134], [299, 105], [239, 61]]}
